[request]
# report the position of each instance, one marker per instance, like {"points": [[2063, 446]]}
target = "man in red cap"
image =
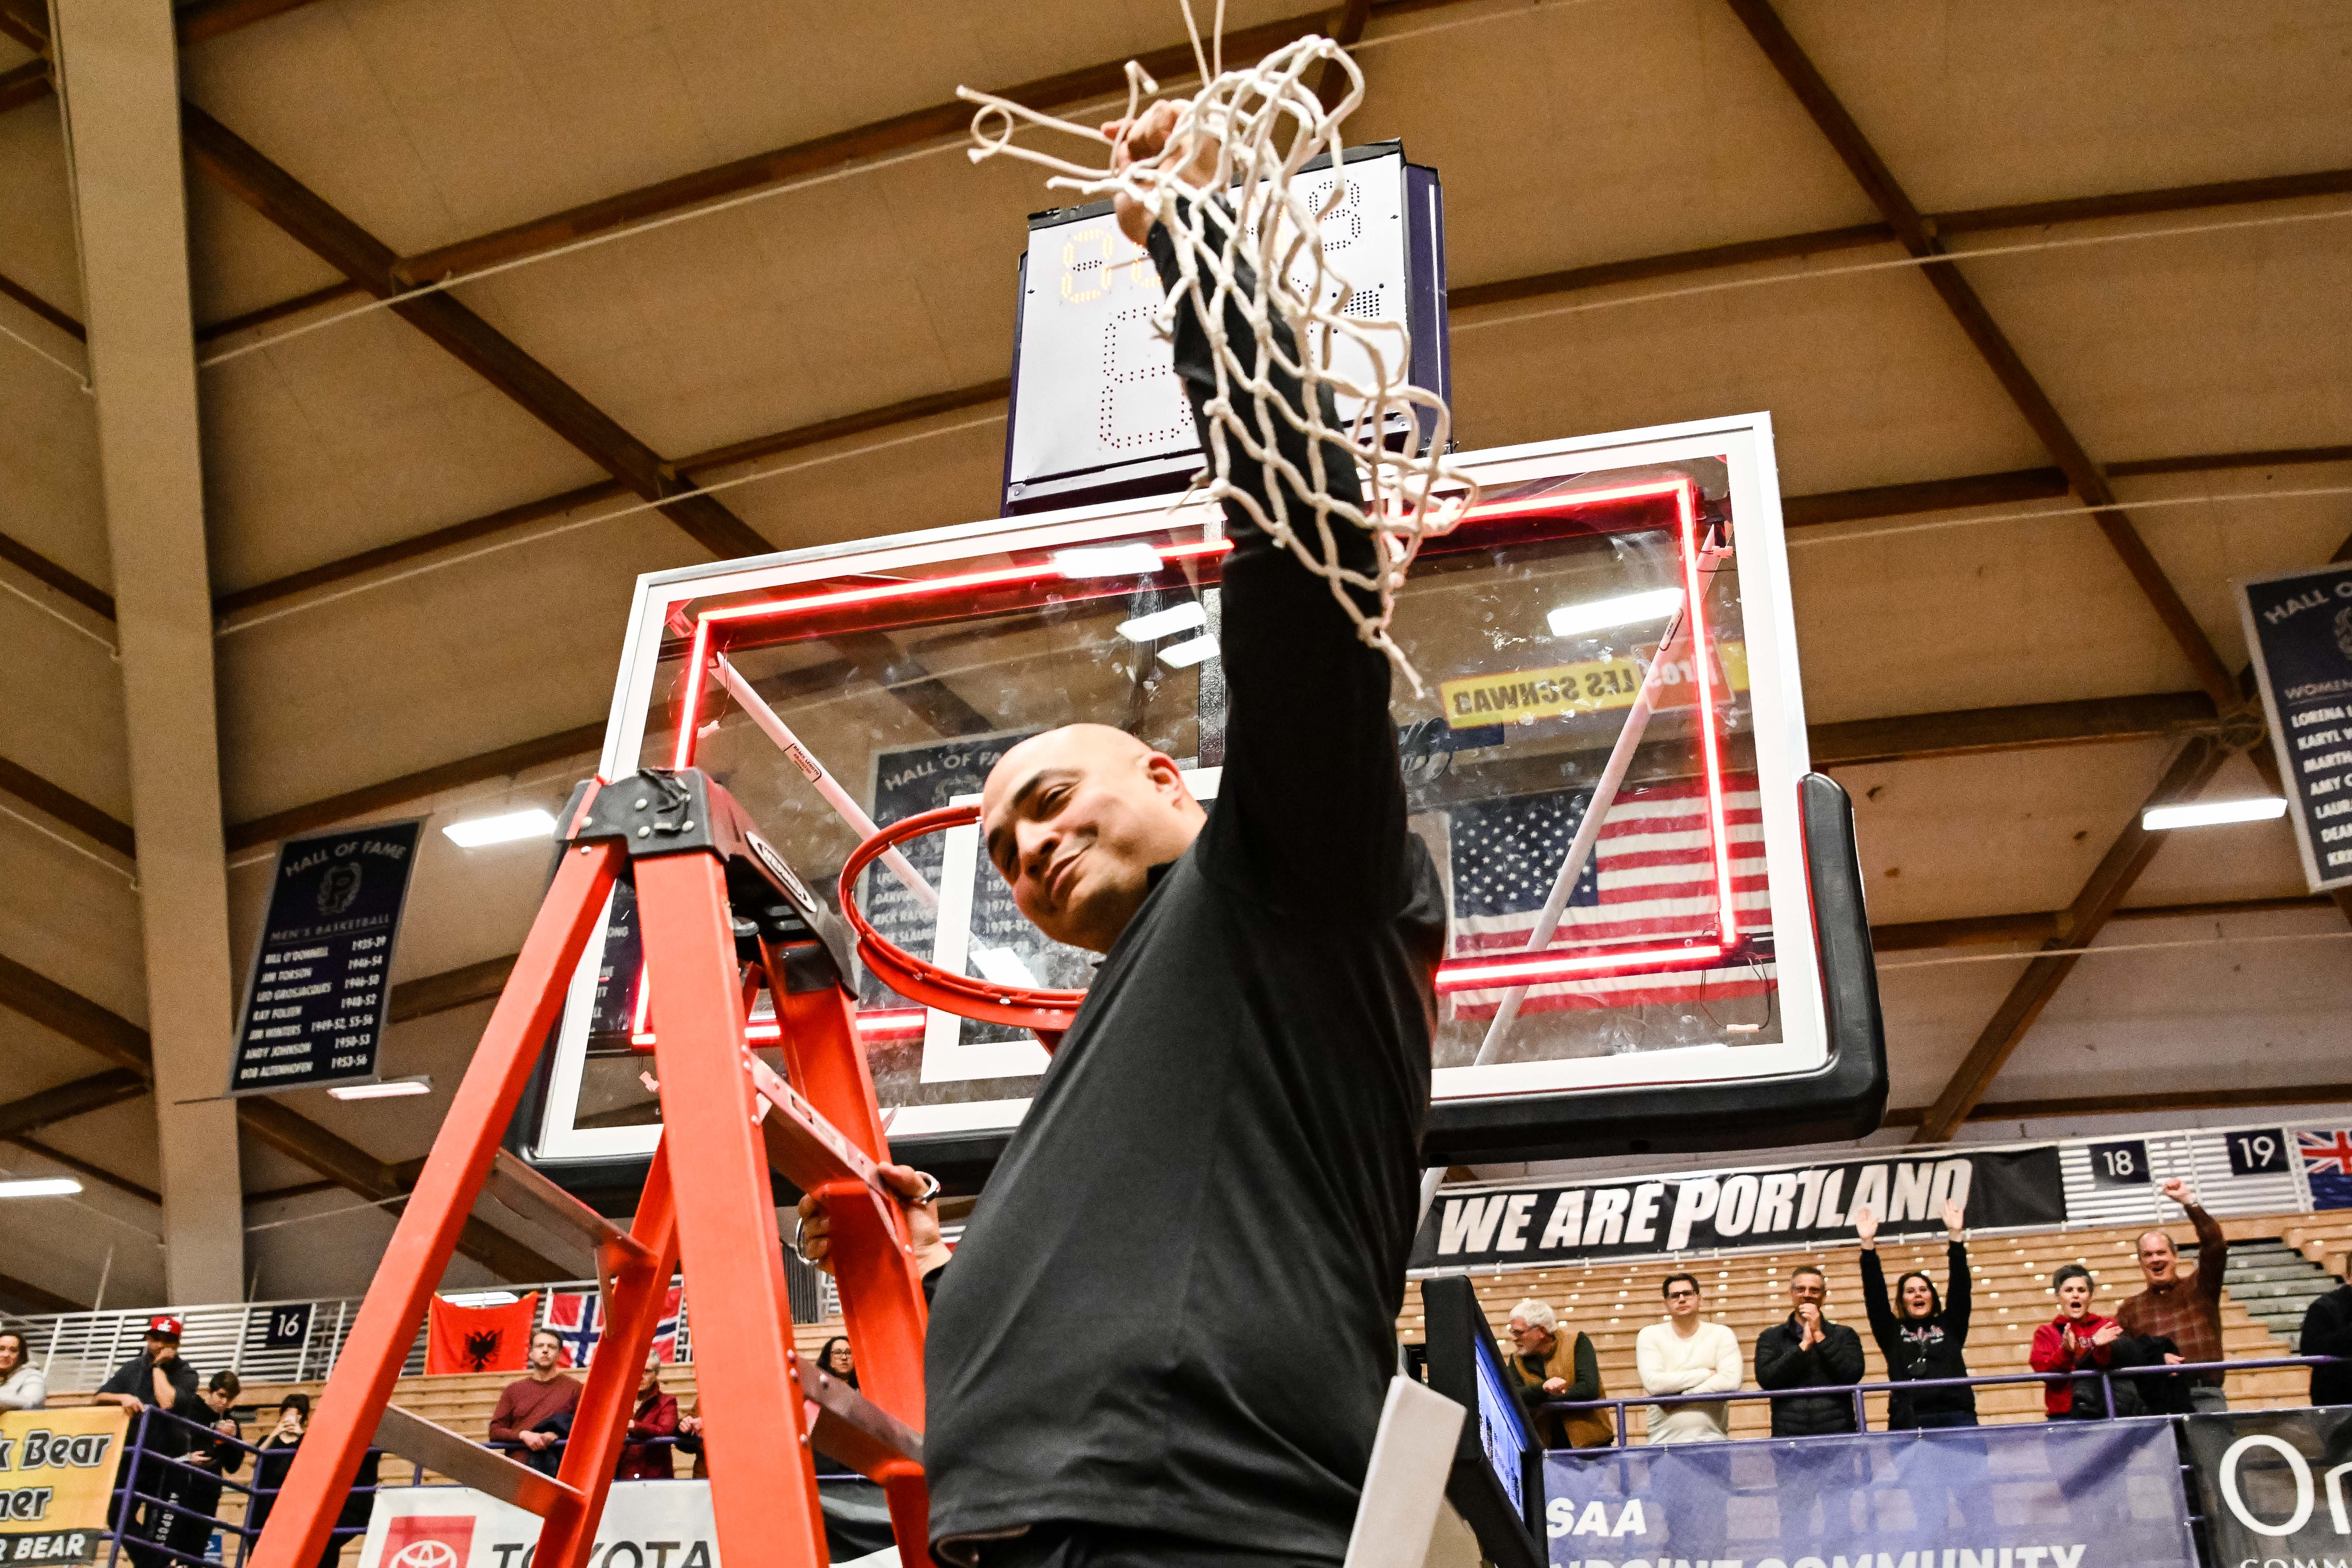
{"points": [[156, 1377]]}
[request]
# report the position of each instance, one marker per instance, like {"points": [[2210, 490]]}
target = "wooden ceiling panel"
{"points": [[304, 92], [468, 658], [50, 498], [74, 921], [355, 437], [119, 1139], [240, 261], [1932, 1014], [1994, 833], [944, 470], [2231, 1016], [37, 242], [1974, 104], [2206, 549], [1585, 133], [2208, 343], [1867, 380], [62, 696]]}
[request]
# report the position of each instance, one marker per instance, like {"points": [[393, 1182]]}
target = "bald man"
{"points": [[1166, 1334]]}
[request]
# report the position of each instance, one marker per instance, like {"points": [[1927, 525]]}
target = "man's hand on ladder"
{"points": [[917, 1193]]}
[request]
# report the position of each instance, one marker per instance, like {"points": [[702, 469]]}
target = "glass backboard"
{"points": [[885, 678]]}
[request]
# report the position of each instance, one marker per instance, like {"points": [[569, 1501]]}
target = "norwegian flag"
{"points": [[1651, 877], [2327, 1166], [578, 1319]]}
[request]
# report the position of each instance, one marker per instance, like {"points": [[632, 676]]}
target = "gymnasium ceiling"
{"points": [[1656, 210]]}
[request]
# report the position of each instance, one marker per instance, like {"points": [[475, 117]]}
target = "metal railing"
{"points": [[1860, 1391], [156, 1489]]}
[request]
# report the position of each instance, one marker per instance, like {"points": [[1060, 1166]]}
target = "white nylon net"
{"points": [[1267, 124]]}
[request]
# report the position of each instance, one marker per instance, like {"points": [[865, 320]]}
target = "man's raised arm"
{"points": [[1311, 760]]}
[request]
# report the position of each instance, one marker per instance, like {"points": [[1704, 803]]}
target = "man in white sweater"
{"points": [[1687, 1355]]}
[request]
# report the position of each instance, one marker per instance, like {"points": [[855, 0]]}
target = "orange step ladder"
{"points": [[722, 916]]}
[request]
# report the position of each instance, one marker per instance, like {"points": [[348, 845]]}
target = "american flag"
{"points": [[2327, 1165], [1652, 876], [578, 1318]]}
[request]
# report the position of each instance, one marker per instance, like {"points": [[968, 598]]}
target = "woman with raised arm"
{"points": [[1922, 1336]]}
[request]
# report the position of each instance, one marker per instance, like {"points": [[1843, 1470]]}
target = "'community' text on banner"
{"points": [[2069, 1495], [1786, 1205]]}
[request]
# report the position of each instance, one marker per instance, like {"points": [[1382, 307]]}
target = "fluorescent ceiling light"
{"points": [[1108, 561], [481, 1298], [40, 1187], [1184, 617], [1184, 655], [390, 1089], [535, 823], [2206, 813], [1575, 620]]}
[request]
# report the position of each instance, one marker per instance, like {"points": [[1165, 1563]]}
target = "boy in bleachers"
{"points": [[1687, 1355]]}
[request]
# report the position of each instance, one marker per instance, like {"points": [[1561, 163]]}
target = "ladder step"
{"points": [[441, 1450], [805, 1148], [538, 1199], [850, 1428]]}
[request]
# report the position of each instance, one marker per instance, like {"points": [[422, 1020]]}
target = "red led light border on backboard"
{"points": [[1488, 972]]}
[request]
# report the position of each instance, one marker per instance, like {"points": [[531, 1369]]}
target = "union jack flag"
{"points": [[1652, 876], [578, 1319], [2327, 1165]]}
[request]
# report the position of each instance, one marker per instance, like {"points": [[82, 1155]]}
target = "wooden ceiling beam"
{"points": [[17, 291], [2140, 1104], [461, 987], [2084, 476], [39, 567], [36, 1298], [119, 1040], [97, 1173], [2044, 925], [2079, 924], [2145, 204], [230, 325], [1916, 737], [237, 167], [196, 22], [62, 806], [31, 1112], [698, 468], [825, 154]]}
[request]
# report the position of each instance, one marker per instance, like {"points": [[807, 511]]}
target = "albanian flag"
{"points": [[479, 1339]]}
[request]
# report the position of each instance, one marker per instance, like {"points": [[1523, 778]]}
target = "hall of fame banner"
{"points": [[57, 1468]]}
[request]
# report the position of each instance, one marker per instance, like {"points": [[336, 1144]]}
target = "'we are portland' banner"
{"points": [[2103, 1494]]}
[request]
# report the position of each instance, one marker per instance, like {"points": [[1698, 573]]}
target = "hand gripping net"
{"points": [[1267, 123]]}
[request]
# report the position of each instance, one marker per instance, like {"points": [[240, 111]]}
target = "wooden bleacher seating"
{"points": [[1613, 1302]]}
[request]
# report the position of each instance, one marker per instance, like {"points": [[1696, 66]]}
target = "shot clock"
{"points": [[1096, 412]]}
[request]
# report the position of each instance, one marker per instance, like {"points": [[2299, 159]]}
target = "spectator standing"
{"points": [[2328, 1331], [645, 1456], [156, 1378], [1687, 1355], [834, 1357], [1547, 1365], [1922, 1336], [2077, 1340], [1807, 1350], [2186, 1309], [534, 1412], [196, 1491], [690, 1438], [23, 1385], [276, 1457]]}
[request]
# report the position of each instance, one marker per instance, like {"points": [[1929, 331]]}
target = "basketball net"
{"points": [[1261, 257]]}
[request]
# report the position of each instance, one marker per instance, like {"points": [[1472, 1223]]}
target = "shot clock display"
{"points": [[1096, 413]]}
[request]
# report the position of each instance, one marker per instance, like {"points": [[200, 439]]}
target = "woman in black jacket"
{"points": [[1921, 1335]]}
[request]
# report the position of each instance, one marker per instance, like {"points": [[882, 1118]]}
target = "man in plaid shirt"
{"points": [[2184, 1309]]}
